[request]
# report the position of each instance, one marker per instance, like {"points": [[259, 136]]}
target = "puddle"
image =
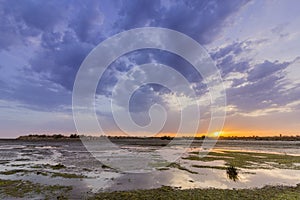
{"points": [[75, 158]]}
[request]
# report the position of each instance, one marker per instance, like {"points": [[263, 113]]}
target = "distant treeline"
{"points": [[75, 136], [44, 136], [268, 138]]}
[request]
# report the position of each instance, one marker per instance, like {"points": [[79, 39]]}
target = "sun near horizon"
{"points": [[215, 134]]}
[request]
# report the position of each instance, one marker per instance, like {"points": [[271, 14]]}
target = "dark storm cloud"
{"points": [[202, 20], [66, 32], [35, 97], [56, 26], [265, 69], [255, 95], [8, 31], [85, 31], [42, 15], [34, 92], [22, 19], [262, 85], [61, 64], [87, 21], [145, 97], [228, 64], [233, 49], [136, 58], [225, 57]]}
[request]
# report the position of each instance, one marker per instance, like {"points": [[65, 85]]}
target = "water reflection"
{"points": [[232, 173], [20, 155]]}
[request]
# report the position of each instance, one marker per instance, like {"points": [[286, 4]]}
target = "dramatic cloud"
{"points": [[253, 86], [202, 20], [43, 43]]}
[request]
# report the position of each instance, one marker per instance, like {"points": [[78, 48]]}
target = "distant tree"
{"points": [[166, 138], [74, 136], [56, 136]]}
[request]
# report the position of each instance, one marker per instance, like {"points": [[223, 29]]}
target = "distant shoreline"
{"points": [[75, 137]]}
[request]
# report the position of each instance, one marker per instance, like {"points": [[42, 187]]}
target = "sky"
{"points": [[254, 44]]}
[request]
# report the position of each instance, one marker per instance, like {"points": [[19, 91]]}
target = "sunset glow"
{"points": [[217, 134], [150, 99], [256, 54]]}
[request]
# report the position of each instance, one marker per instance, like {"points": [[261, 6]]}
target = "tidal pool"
{"points": [[69, 164]]}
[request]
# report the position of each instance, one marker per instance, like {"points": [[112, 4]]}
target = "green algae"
{"points": [[57, 167], [15, 171], [210, 167], [27, 189], [67, 175], [251, 160], [178, 166], [165, 192], [54, 167]]}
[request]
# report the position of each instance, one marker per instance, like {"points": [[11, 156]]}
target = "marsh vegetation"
{"points": [[64, 169]]}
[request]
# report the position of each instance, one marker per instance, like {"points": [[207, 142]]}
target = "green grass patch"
{"points": [[37, 166], [267, 192], [67, 175], [176, 165], [27, 190], [22, 159], [163, 168], [106, 167], [87, 170], [18, 165], [251, 160], [210, 167], [57, 167], [14, 171], [41, 173], [54, 167]]}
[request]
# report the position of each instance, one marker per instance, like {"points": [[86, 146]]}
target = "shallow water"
{"points": [[26, 155]]}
